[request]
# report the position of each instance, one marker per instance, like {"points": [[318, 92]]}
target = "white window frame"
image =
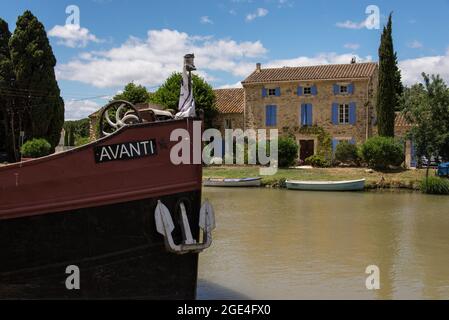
{"points": [[343, 113], [271, 92], [344, 91]]}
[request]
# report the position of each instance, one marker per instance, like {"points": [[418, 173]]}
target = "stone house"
{"points": [[319, 105], [230, 104]]}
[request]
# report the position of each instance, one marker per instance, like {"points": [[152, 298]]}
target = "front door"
{"points": [[306, 149]]}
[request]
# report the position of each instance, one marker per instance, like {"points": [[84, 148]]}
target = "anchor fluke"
{"points": [[165, 226], [207, 217]]}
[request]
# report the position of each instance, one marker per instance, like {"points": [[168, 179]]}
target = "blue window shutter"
{"points": [[274, 118], [268, 116], [303, 114], [335, 113], [223, 149], [314, 90], [309, 114], [334, 145], [278, 92], [299, 91], [352, 113], [336, 89], [264, 92], [351, 88]]}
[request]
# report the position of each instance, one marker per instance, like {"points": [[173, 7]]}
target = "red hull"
{"points": [[74, 180]]}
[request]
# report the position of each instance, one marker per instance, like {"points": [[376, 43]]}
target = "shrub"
{"points": [[288, 151], [346, 153], [81, 141], [382, 152], [36, 148], [435, 185], [317, 161]]}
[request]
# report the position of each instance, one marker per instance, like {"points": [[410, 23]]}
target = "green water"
{"points": [[278, 244]]}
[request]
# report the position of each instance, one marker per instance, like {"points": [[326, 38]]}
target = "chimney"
{"points": [[258, 67], [353, 60]]}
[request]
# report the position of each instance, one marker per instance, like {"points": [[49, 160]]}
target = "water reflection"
{"points": [[278, 244]]}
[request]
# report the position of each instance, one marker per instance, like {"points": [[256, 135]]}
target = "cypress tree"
{"points": [[71, 138], [390, 86], [34, 63], [8, 134]]}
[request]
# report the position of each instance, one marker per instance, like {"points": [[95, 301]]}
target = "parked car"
{"points": [[443, 170], [433, 162]]}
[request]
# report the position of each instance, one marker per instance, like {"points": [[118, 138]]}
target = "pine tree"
{"points": [[390, 86], [8, 136], [34, 63]]}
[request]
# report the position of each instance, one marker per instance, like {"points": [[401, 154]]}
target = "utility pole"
{"points": [[13, 131]]}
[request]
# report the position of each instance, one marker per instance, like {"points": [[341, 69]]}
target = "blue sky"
{"points": [[119, 41]]}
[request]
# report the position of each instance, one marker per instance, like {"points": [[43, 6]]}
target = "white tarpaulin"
{"points": [[186, 101]]}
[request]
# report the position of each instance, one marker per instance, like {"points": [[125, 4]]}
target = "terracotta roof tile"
{"points": [[322, 72], [230, 100]]}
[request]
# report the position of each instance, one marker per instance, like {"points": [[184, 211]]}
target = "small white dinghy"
{"points": [[243, 182], [352, 185]]}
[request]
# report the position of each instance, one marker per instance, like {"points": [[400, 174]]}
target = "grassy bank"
{"points": [[404, 179]]}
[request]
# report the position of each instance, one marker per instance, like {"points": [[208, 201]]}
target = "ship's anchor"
{"points": [[165, 226]]}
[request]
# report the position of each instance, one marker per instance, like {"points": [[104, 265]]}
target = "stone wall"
{"points": [[93, 127], [289, 107], [236, 121]]}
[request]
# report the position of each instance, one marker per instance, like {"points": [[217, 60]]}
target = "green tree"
{"points": [[287, 151], [39, 97], [133, 93], [382, 152], [8, 134], [390, 86], [168, 96], [80, 127], [426, 106]]}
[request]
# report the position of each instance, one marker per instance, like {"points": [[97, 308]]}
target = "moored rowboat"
{"points": [[352, 185], [241, 182]]}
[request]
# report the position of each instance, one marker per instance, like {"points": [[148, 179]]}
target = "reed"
{"points": [[435, 185]]}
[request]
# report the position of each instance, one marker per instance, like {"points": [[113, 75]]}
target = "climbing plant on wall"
{"points": [[324, 138]]}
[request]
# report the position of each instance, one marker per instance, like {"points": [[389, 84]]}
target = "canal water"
{"points": [[279, 244]]}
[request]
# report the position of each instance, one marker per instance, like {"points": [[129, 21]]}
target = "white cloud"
{"points": [[348, 24], [72, 35], [285, 4], [320, 59], [259, 13], [352, 46], [415, 44], [75, 109], [206, 20], [231, 86], [411, 69], [150, 61]]}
